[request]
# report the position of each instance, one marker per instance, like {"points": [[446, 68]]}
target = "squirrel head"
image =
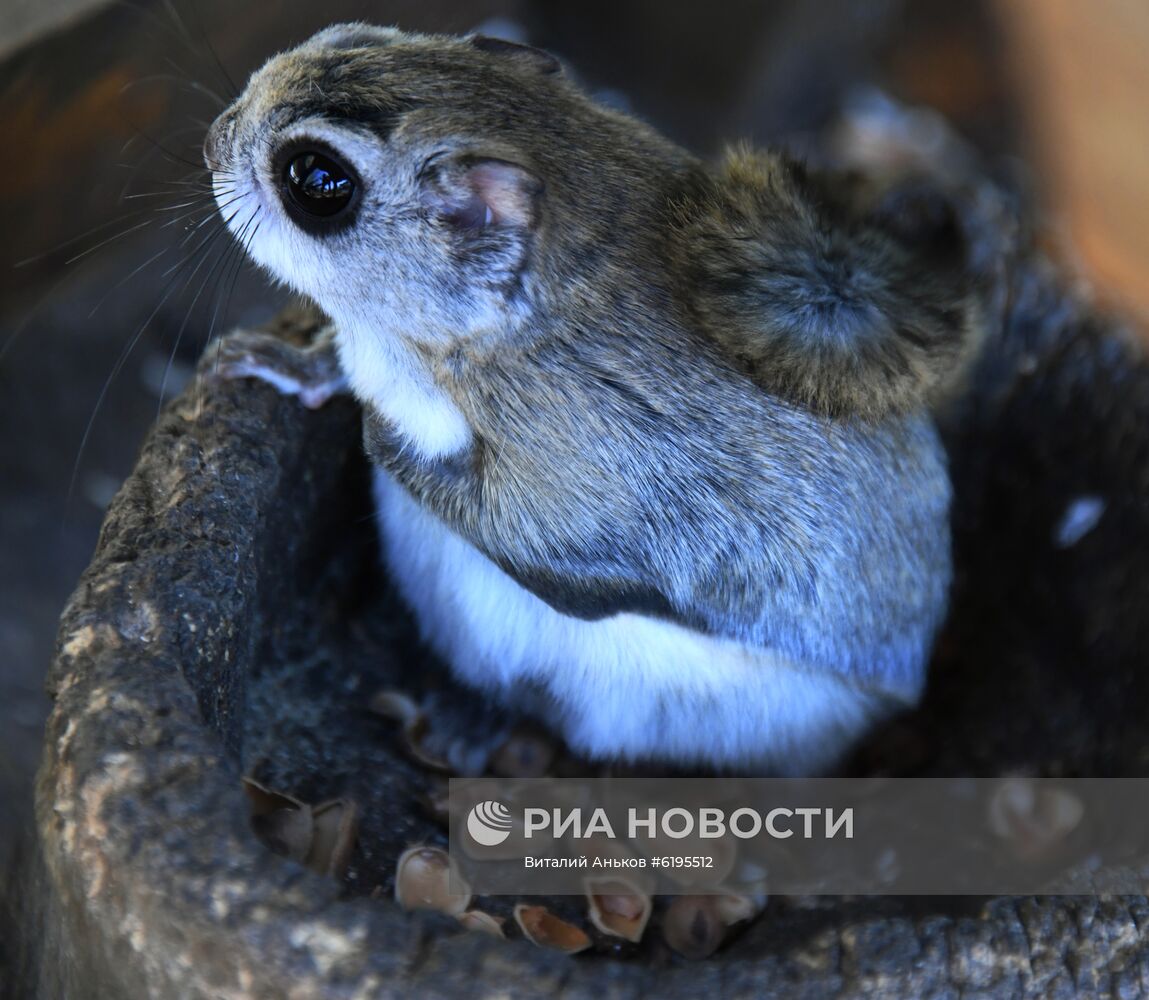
{"points": [[436, 188]]}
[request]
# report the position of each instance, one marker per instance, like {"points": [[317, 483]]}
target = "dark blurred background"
{"points": [[102, 107]]}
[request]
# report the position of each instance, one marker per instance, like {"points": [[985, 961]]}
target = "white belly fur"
{"points": [[628, 687]]}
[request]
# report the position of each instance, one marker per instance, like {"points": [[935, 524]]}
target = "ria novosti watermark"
{"points": [[828, 836], [678, 823]]}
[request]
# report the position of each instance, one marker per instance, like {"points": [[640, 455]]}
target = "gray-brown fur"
{"points": [[704, 392], [826, 541], [818, 301]]}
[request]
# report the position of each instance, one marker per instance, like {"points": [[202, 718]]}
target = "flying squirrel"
{"points": [[653, 439]]}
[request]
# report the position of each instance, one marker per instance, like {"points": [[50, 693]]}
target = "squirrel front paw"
{"points": [[312, 372]]}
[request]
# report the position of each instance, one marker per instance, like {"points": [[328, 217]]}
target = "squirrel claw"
{"points": [[311, 373]]}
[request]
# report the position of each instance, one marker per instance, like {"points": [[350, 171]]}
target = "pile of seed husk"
{"points": [[617, 913], [614, 914]]}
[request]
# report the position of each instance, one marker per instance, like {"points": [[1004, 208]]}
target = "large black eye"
{"points": [[319, 188]]}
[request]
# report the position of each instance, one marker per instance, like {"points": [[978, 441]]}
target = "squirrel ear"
{"points": [[539, 60], [478, 193]]}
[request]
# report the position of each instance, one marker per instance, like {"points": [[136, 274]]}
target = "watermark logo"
{"points": [[489, 823], [981, 836]]}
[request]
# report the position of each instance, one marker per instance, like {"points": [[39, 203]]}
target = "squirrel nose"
{"points": [[217, 140]]}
